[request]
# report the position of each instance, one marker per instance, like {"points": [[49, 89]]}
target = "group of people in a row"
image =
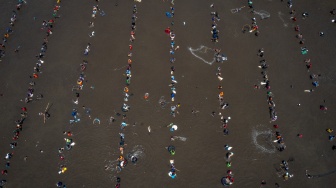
{"points": [[228, 179], [69, 143], [123, 161], [30, 92], [304, 51], [9, 29], [173, 109], [266, 83]]}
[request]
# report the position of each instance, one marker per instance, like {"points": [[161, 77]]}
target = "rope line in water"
{"points": [[319, 175]]}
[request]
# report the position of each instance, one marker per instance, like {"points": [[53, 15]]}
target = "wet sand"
{"points": [[201, 159]]}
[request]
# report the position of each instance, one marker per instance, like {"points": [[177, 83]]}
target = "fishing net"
{"points": [[263, 14]]}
